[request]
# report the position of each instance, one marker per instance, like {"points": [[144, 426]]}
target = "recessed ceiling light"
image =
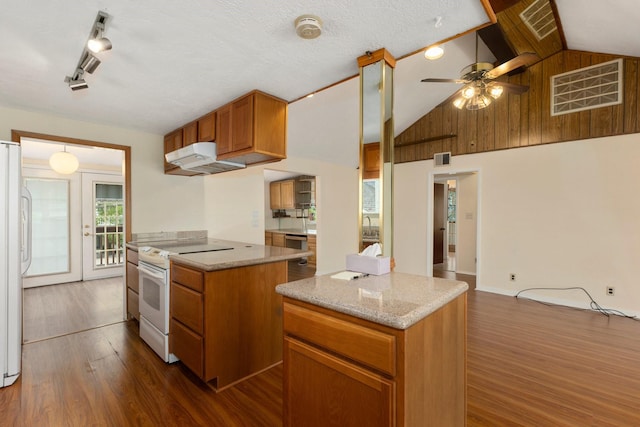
{"points": [[434, 52]]}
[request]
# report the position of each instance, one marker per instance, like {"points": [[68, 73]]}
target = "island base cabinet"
{"points": [[226, 325], [327, 391], [341, 370]]}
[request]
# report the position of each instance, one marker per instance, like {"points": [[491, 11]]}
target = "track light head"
{"points": [[76, 82], [99, 44], [90, 63]]}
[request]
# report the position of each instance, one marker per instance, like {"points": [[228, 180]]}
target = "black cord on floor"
{"points": [[593, 304]]}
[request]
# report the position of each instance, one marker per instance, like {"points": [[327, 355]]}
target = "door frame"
{"points": [[16, 135], [431, 179]]}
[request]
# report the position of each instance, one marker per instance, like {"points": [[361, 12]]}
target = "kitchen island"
{"points": [[377, 351], [225, 318]]}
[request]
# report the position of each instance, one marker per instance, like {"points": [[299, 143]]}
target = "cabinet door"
{"points": [[207, 127], [311, 245], [287, 194], [323, 390], [275, 201], [172, 142], [190, 134], [371, 159], [242, 123], [277, 239], [267, 238], [223, 131]]}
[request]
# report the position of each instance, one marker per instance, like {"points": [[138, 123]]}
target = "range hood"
{"points": [[201, 157]]}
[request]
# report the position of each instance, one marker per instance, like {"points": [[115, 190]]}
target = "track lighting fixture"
{"points": [[89, 62]]}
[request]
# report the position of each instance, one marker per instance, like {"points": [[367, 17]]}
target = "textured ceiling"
{"points": [[173, 61]]}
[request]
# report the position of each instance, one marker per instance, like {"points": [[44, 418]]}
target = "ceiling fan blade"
{"points": [[522, 60], [435, 80], [514, 88]]}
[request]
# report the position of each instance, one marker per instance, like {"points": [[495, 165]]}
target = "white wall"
{"points": [[160, 202], [558, 215]]}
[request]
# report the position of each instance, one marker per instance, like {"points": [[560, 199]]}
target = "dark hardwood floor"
{"points": [[528, 364]]}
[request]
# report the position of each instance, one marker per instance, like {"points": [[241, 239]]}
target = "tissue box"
{"points": [[368, 264]]}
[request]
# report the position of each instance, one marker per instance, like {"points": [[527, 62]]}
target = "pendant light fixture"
{"points": [[64, 162]]}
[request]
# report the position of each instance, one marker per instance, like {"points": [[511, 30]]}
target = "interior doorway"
{"points": [[87, 303], [445, 230], [455, 199]]}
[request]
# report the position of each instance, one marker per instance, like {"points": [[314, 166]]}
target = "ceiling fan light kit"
{"points": [[479, 88], [89, 62]]}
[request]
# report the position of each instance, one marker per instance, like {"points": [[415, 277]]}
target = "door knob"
{"points": [[86, 233], [442, 228]]}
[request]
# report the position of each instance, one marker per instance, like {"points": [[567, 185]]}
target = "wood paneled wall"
{"points": [[515, 121]]}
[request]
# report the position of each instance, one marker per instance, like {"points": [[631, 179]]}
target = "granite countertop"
{"points": [[242, 254], [397, 300], [298, 231]]}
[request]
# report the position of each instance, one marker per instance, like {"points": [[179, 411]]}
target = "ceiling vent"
{"points": [[539, 18], [442, 159], [587, 88]]}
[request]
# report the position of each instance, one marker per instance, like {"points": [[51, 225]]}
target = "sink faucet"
{"points": [[369, 227]]}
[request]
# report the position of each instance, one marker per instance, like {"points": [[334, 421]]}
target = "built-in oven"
{"points": [[154, 308]]}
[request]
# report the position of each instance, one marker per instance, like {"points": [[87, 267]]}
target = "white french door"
{"points": [[56, 247], [103, 243]]}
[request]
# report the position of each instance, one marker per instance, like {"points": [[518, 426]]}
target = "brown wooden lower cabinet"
{"points": [[132, 285], [340, 370], [226, 325]]}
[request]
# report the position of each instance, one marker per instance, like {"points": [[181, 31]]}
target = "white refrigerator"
{"points": [[15, 257]]}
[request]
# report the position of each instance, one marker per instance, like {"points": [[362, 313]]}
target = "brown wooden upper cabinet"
{"points": [[371, 167], [207, 127], [253, 129], [190, 133], [282, 194]]}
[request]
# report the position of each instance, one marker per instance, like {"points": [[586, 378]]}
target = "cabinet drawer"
{"points": [[132, 256], [133, 304], [367, 346], [187, 277], [187, 346], [186, 306], [132, 276]]}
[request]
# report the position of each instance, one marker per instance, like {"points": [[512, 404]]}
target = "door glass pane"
{"points": [[50, 226], [109, 225]]}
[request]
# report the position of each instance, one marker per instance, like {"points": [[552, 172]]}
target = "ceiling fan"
{"points": [[479, 88]]}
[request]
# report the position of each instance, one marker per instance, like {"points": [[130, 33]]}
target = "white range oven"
{"points": [[155, 291]]}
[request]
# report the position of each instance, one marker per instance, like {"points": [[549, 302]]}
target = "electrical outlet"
{"points": [[512, 277], [611, 291]]}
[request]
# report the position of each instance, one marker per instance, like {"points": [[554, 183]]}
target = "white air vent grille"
{"points": [[539, 18], [591, 87], [442, 159]]}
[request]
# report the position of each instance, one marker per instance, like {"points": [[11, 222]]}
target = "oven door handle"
{"points": [[149, 272]]}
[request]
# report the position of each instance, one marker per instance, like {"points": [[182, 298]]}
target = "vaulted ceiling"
{"points": [[173, 61]]}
